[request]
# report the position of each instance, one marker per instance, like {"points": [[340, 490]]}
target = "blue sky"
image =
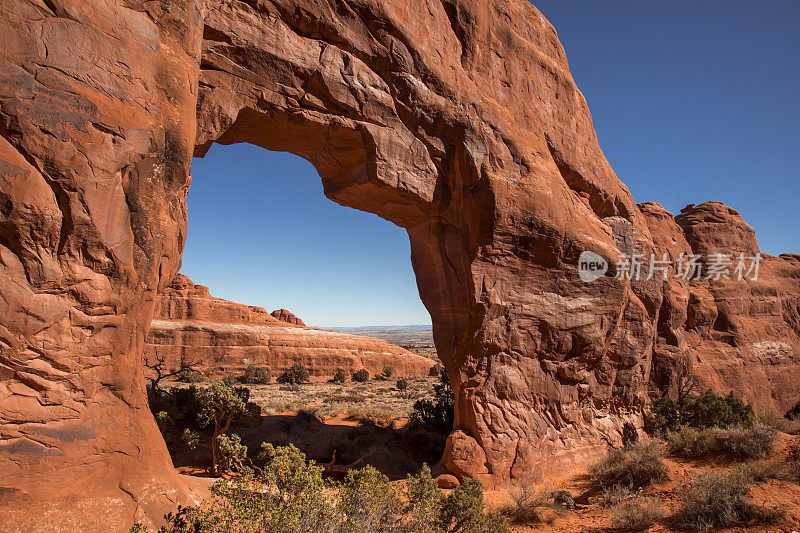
{"points": [[692, 101]]}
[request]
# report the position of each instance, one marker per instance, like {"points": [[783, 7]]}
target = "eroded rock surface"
{"points": [[225, 337], [455, 119]]}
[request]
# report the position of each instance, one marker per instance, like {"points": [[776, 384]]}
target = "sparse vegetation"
{"points": [[388, 372], [438, 411], [220, 406], [339, 377], [637, 514], [296, 375], [715, 500], [401, 385], [751, 442], [634, 466], [254, 375], [530, 498], [290, 495], [701, 411], [361, 376]]}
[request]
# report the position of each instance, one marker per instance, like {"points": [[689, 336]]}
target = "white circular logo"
{"points": [[591, 266]]}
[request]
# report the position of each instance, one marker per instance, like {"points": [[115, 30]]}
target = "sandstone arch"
{"points": [[456, 119]]}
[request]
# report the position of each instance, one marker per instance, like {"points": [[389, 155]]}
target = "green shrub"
{"points": [[701, 411], [388, 372], [190, 376], [435, 370], [715, 500], [232, 454], [255, 376], [638, 465], [295, 375], [463, 511], [439, 411], [402, 384], [750, 442], [637, 514], [339, 377], [361, 376], [368, 501], [290, 496]]}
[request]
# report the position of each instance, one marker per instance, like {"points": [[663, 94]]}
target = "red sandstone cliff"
{"points": [[225, 337]]}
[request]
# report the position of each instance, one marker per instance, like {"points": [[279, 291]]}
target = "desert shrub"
{"points": [[614, 495], [221, 405], [637, 514], [424, 501], [388, 372], [402, 384], [529, 496], [289, 495], [368, 501], [339, 377], [232, 454], [463, 511], [760, 471], [692, 442], [638, 465], [784, 424], [716, 500], [750, 442], [439, 410], [254, 375], [295, 375], [630, 434], [361, 376], [698, 411], [190, 375], [435, 370]]}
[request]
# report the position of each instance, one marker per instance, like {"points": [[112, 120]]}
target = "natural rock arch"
{"points": [[456, 119]]}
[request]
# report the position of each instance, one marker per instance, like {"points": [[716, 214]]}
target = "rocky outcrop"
{"points": [[457, 120], [287, 316], [726, 333], [225, 337]]}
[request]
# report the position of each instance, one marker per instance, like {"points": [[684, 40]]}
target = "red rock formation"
{"points": [[741, 336], [457, 120], [225, 337], [287, 316]]}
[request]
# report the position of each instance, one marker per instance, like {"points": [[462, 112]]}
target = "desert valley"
{"points": [[594, 363]]}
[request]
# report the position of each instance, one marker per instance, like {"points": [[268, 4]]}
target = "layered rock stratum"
{"points": [[223, 338], [457, 120]]}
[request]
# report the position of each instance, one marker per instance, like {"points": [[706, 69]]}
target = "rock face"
{"points": [[225, 337], [734, 335], [457, 120], [287, 316]]}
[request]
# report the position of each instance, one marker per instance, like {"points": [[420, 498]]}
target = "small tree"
{"points": [[254, 375], [157, 366], [439, 411], [361, 376], [295, 375], [220, 406]]}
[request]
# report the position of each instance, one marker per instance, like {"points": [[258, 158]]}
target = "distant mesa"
{"points": [[226, 337], [285, 315]]}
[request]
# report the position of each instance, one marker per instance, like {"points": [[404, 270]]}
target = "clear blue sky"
{"points": [[692, 101]]}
